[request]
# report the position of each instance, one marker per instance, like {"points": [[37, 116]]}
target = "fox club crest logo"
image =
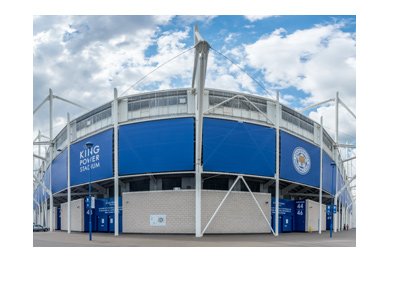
{"points": [[301, 161]]}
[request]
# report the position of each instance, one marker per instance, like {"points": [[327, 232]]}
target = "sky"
{"points": [[307, 58]]}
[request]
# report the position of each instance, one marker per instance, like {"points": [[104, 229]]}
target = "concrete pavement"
{"points": [[295, 239]]}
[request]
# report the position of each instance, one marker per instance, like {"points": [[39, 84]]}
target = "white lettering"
{"points": [[89, 159]]}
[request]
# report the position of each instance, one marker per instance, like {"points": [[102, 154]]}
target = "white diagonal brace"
{"points": [[221, 103], [71, 102], [223, 200], [265, 115], [347, 108], [258, 205], [315, 105]]}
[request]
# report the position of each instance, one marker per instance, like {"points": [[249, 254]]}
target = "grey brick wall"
{"points": [[239, 213], [77, 209], [178, 206]]}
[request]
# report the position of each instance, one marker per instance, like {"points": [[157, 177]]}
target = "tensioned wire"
{"points": [[158, 67], [185, 51], [245, 72]]}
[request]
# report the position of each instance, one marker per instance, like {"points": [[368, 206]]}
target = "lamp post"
{"points": [[89, 146], [331, 213]]}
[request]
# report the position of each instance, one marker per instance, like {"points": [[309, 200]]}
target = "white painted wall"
{"points": [[77, 215], [312, 216]]}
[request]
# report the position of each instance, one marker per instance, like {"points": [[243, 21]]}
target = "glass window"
{"points": [[171, 183], [253, 185], [139, 185], [216, 184]]}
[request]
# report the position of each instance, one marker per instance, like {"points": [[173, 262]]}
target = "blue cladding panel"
{"points": [[157, 146], [235, 147], [46, 180], [100, 160], [59, 172], [287, 171], [328, 174]]}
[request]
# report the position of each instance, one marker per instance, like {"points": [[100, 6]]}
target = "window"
{"points": [[253, 185], [297, 119], [139, 185], [171, 183], [216, 184]]}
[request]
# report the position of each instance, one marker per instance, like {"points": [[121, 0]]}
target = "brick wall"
{"points": [[239, 213]]}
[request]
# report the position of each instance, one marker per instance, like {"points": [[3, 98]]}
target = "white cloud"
{"points": [[319, 61], [83, 57], [190, 19], [253, 18]]}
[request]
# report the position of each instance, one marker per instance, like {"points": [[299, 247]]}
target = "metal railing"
{"points": [[95, 120], [237, 107], [157, 104]]}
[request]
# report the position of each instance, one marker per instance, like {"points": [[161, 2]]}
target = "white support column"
{"points": [[46, 219], [277, 174], [40, 205], [335, 216], [68, 174], [51, 148], [198, 83], [320, 175], [340, 215], [342, 220], [51, 115], [116, 172]]}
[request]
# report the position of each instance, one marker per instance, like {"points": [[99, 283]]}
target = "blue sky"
{"points": [[306, 58]]}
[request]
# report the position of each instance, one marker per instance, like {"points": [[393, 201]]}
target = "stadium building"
{"points": [[192, 160]]}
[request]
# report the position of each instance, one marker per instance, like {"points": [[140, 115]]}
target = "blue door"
{"points": [[103, 223], [287, 223]]}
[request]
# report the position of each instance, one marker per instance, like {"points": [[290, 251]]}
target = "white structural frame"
{"points": [[336, 101], [277, 161], [68, 174], [116, 171], [198, 83], [50, 98], [320, 175]]}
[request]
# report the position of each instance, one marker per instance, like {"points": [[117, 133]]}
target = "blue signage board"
{"points": [[87, 216], [157, 146], [300, 160], [334, 209], [328, 220], [59, 172], [300, 216], [105, 214], [238, 147], [99, 160], [286, 215], [102, 215]]}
